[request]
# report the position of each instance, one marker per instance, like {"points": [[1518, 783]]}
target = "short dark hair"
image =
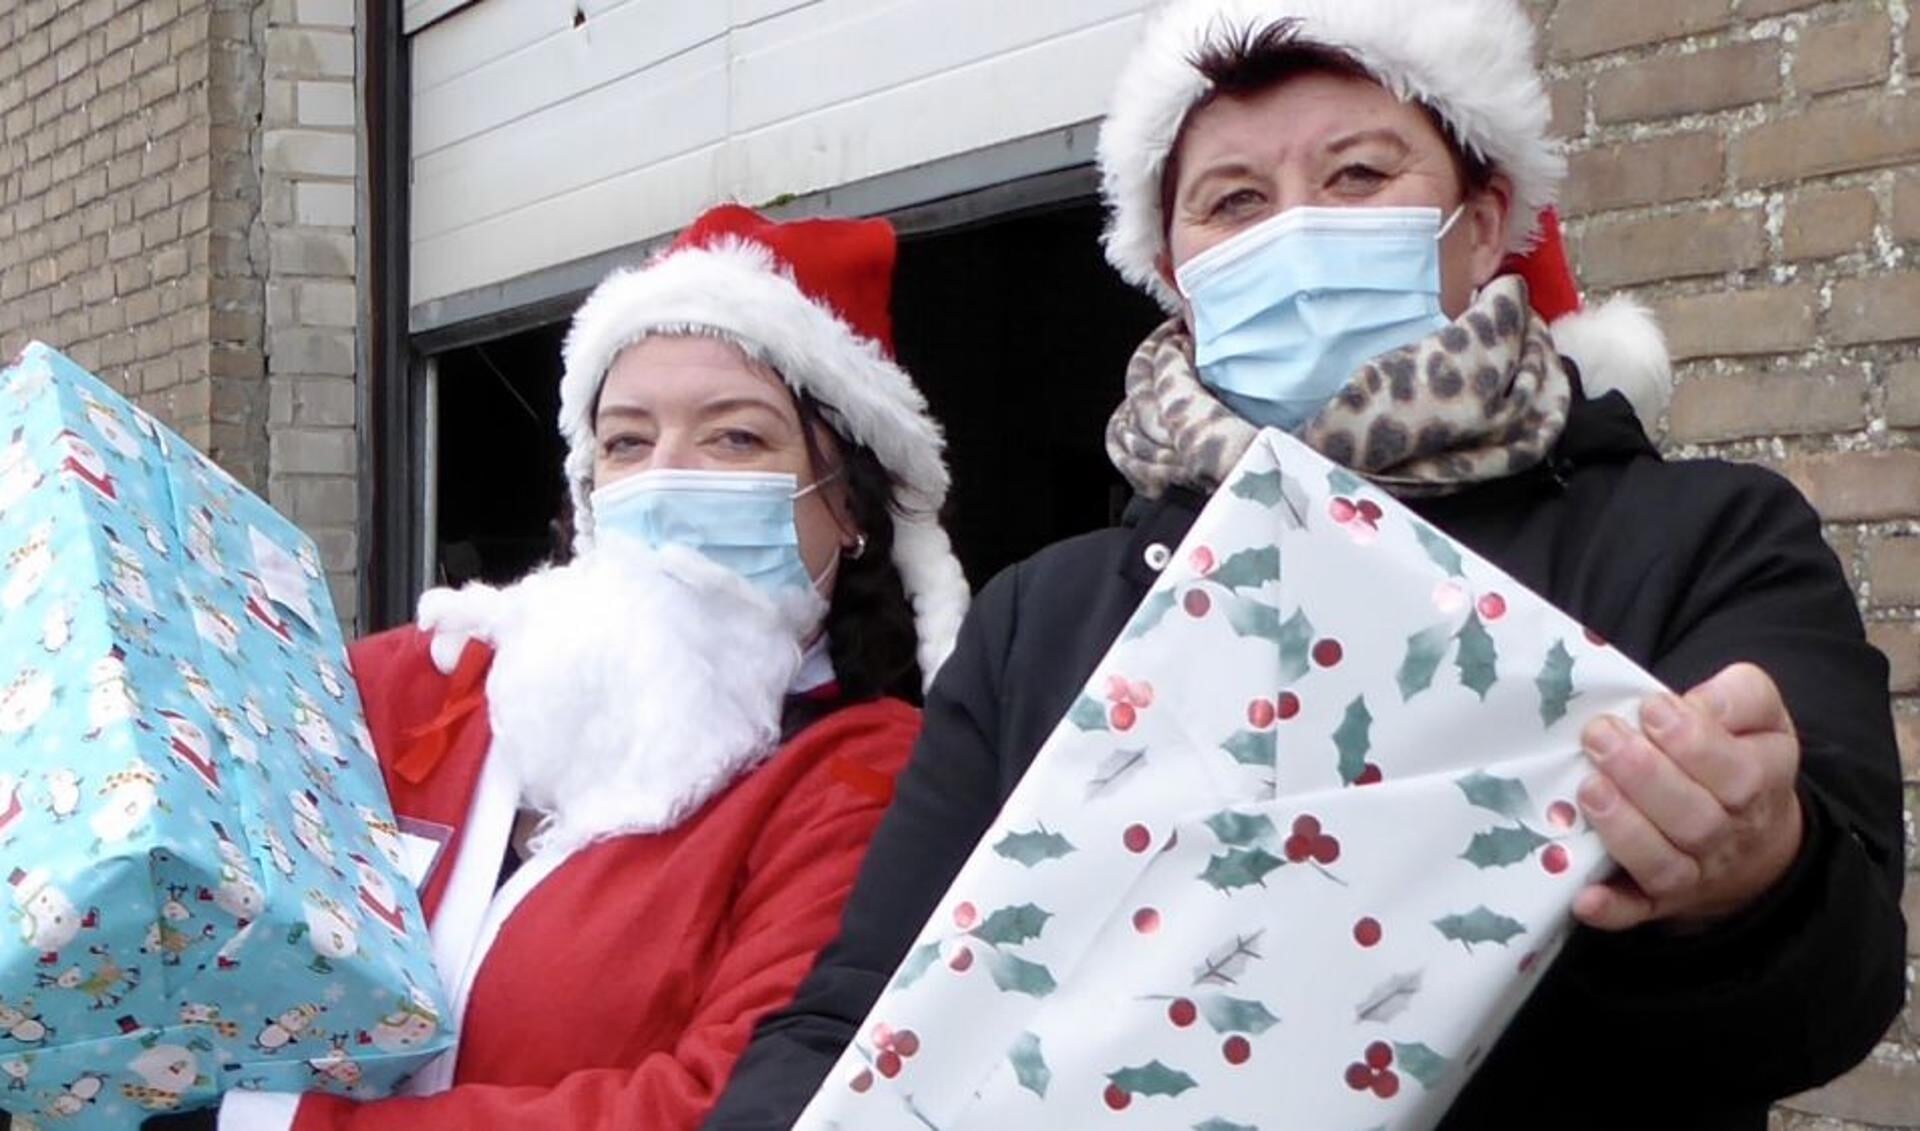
{"points": [[1247, 60]]}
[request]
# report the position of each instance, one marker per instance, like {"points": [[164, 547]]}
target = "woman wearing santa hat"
{"points": [[1327, 197], [656, 767]]}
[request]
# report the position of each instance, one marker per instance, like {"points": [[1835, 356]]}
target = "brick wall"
{"points": [[106, 190], [1751, 169], [177, 212], [310, 158]]}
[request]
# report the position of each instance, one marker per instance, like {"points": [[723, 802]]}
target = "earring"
{"points": [[859, 549]]}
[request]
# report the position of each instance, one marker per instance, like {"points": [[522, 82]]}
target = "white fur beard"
{"points": [[629, 687]]}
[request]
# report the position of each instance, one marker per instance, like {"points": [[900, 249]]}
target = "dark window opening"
{"points": [[1016, 329]]}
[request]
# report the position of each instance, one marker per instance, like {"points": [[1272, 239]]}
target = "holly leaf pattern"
{"points": [[1011, 926], [1151, 1079], [1251, 618], [1249, 569], [1479, 926], [1033, 848], [1235, 1014], [917, 964], [1555, 684], [1151, 612], [1425, 650], [1115, 768], [1296, 646], [1240, 868], [1225, 964], [1502, 847], [1443, 552], [1088, 714], [1354, 739], [1343, 482], [1478, 660], [1016, 975], [1420, 1062], [1243, 830], [1504, 796], [1030, 1065], [1254, 748], [1389, 999], [1268, 488]]}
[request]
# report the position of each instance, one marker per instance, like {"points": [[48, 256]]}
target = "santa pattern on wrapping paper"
{"points": [[164, 693], [1295, 855]]}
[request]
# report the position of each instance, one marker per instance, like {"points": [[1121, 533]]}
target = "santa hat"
{"points": [[1471, 61], [810, 298]]}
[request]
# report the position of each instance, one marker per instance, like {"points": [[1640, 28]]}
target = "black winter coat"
{"points": [[1686, 567]]}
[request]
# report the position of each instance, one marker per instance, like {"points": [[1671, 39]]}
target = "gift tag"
{"points": [[421, 844], [280, 573]]}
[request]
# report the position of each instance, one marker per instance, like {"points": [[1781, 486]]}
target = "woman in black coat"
{"points": [[1325, 195]]}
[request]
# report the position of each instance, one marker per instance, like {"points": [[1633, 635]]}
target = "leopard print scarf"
{"points": [[1483, 399]]}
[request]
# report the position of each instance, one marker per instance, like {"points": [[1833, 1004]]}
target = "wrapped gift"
{"points": [[1294, 858], [205, 881]]}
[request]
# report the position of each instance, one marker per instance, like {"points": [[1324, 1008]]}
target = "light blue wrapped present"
{"points": [[205, 883]]}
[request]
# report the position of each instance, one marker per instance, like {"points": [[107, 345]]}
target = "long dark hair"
{"points": [[870, 630]]}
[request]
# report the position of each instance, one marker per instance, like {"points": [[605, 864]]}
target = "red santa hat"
{"points": [[1471, 61], [810, 298]]}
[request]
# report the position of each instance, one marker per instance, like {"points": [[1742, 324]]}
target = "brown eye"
{"points": [[1358, 178], [1237, 202]]}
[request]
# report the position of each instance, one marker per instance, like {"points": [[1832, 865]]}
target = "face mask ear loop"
{"points": [[1451, 221]]}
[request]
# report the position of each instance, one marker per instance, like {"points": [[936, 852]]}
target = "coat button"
{"points": [[1158, 556]]}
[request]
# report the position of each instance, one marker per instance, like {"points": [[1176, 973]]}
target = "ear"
{"points": [[1486, 217]]}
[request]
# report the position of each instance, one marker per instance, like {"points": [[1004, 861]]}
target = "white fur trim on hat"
{"points": [[736, 289], [1470, 60], [1619, 347]]}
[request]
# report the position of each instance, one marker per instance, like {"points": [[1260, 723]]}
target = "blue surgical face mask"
{"points": [[1287, 311], [741, 520]]}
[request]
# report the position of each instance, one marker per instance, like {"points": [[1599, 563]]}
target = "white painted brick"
{"points": [[323, 205], [281, 109], [307, 53], [325, 13], [327, 104], [312, 152], [327, 304], [306, 251], [312, 451], [303, 350]]}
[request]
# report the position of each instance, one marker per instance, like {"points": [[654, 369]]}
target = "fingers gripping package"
{"points": [[205, 883], [1294, 858]]}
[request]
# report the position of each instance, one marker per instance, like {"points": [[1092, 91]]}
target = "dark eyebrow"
{"points": [[1350, 141], [734, 404]]}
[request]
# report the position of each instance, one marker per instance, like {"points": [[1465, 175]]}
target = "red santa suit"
{"points": [[612, 986]]}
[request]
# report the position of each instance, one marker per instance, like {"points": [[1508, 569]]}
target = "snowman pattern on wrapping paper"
{"points": [[176, 708], [1317, 686]]}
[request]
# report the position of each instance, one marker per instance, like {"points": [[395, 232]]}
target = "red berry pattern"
{"points": [[1554, 859], [1146, 920], [1237, 1050], [962, 960], [1201, 560], [1561, 814], [1122, 716], [1367, 932], [1370, 511], [863, 1082], [1182, 1013], [1373, 1072], [1196, 603], [1369, 775], [1308, 842], [1261, 713], [896, 1047], [1287, 706], [1117, 1097], [965, 915], [1492, 606], [1342, 511], [1137, 839], [1328, 653]]}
